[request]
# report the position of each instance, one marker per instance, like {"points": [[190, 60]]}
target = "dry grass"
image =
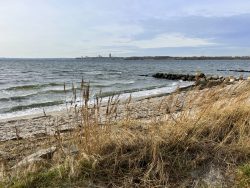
{"points": [[200, 135]]}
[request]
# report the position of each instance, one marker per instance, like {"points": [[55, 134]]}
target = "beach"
{"points": [[127, 119], [143, 109]]}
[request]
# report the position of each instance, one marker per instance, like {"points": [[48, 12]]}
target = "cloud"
{"points": [[65, 28], [171, 40], [231, 30], [215, 8]]}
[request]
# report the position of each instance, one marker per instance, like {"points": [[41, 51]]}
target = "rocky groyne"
{"points": [[199, 78], [184, 77]]}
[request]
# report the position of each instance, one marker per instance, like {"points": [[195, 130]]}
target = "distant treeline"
{"points": [[188, 58]]}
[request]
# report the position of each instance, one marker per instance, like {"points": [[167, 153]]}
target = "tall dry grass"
{"points": [[199, 133]]}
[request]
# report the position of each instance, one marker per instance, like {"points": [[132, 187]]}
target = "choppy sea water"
{"points": [[27, 86]]}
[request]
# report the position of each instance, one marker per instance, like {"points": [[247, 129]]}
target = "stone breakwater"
{"points": [[200, 79], [184, 77]]}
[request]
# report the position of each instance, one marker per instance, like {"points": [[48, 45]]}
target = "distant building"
{"points": [[110, 55]]}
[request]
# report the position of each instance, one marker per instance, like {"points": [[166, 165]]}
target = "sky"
{"points": [[73, 28]]}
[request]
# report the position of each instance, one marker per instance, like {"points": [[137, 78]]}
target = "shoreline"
{"points": [[62, 111], [38, 124], [141, 108]]}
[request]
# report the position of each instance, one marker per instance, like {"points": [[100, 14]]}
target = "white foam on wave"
{"points": [[32, 111], [105, 83], [134, 95], [155, 92], [94, 72]]}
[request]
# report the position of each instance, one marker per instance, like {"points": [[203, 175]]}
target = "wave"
{"points": [[40, 86], [110, 93], [34, 105], [34, 86], [61, 71], [67, 91], [18, 111], [109, 84], [95, 72], [26, 97], [158, 91], [115, 73], [16, 98]]}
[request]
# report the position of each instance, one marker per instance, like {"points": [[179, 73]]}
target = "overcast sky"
{"points": [[72, 28]]}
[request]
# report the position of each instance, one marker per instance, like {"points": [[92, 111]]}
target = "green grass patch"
{"points": [[243, 176], [46, 178]]}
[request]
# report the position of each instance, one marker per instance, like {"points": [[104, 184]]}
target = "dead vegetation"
{"points": [[200, 139]]}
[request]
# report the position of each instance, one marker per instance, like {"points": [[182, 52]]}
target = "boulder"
{"points": [[201, 81], [227, 79], [231, 79], [215, 77], [200, 75]]}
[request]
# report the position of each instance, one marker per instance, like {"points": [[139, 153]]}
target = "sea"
{"points": [[32, 86]]}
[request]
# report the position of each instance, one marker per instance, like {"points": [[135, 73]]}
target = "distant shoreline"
{"points": [[169, 58], [140, 58], [189, 58]]}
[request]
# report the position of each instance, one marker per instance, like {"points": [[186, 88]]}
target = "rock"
{"points": [[226, 80], [38, 156], [215, 77], [209, 78], [212, 83], [231, 79], [200, 75], [201, 81]]}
